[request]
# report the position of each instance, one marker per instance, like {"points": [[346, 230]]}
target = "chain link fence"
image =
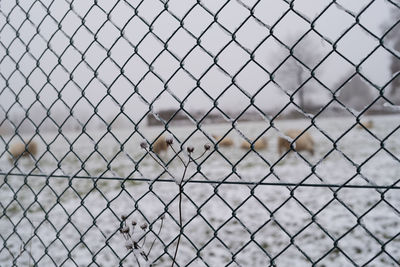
{"points": [[284, 140]]}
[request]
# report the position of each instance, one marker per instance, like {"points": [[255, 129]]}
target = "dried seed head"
{"points": [[169, 141], [143, 145], [134, 223], [128, 246], [123, 217], [207, 147], [190, 149], [162, 217], [125, 230], [143, 226]]}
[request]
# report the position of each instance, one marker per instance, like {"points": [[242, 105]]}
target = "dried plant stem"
{"points": [[159, 163], [180, 223], [134, 250], [181, 184], [137, 259], [30, 248], [179, 157], [204, 152], [144, 241], [158, 234]]}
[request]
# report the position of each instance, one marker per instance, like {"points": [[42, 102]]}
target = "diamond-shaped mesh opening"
{"points": [[149, 48], [197, 62], [360, 139], [294, 222], [344, 22], [356, 242], [166, 65], [232, 58], [369, 72], [251, 85], [281, 28], [198, 28], [387, 160], [241, 101], [216, 252], [228, 19], [198, 104], [312, 234], [361, 202], [380, 228], [272, 239], [296, 162], [356, 55], [250, 221], [306, 196], [254, 161], [215, 38], [334, 210], [251, 34]]}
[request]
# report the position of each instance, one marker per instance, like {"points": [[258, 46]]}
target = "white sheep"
{"points": [[260, 144], [223, 142], [21, 149], [160, 145], [368, 124], [303, 143]]}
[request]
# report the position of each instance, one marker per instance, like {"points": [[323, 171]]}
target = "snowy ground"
{"points": [[56, 220]]}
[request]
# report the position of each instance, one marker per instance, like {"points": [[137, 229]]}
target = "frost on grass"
{"points": [[222, 223]]}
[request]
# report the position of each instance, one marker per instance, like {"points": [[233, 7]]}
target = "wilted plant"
{"points": [[136, 242], [180, 182]]}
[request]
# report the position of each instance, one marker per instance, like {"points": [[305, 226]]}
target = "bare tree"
{"points": [[356, 94], [296, 69], [394, 39]]}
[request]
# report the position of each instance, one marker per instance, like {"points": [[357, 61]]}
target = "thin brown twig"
{"points": [[180, 224], [136, 257], [204, 152], [181, 184], [159, 163], [177, 154], [180, 209], [158, 234]]}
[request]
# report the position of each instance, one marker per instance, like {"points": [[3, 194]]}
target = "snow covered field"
{"points": [[56, 220]]}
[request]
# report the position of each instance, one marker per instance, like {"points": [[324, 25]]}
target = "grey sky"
{"points": [[356, 45]]}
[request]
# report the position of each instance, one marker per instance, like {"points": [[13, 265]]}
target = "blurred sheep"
{"points": [[21, 149], [260, 144], [160, 145], [304, 142], [223, 142], [368, 124]]}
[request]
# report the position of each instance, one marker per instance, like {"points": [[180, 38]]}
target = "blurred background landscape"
{"points": [[67, 64]]}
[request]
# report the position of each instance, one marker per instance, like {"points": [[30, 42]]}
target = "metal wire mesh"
{"points": [[80, 81]]}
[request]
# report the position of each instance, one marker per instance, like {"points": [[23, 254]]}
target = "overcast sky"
{"points": [[99, 49]]}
